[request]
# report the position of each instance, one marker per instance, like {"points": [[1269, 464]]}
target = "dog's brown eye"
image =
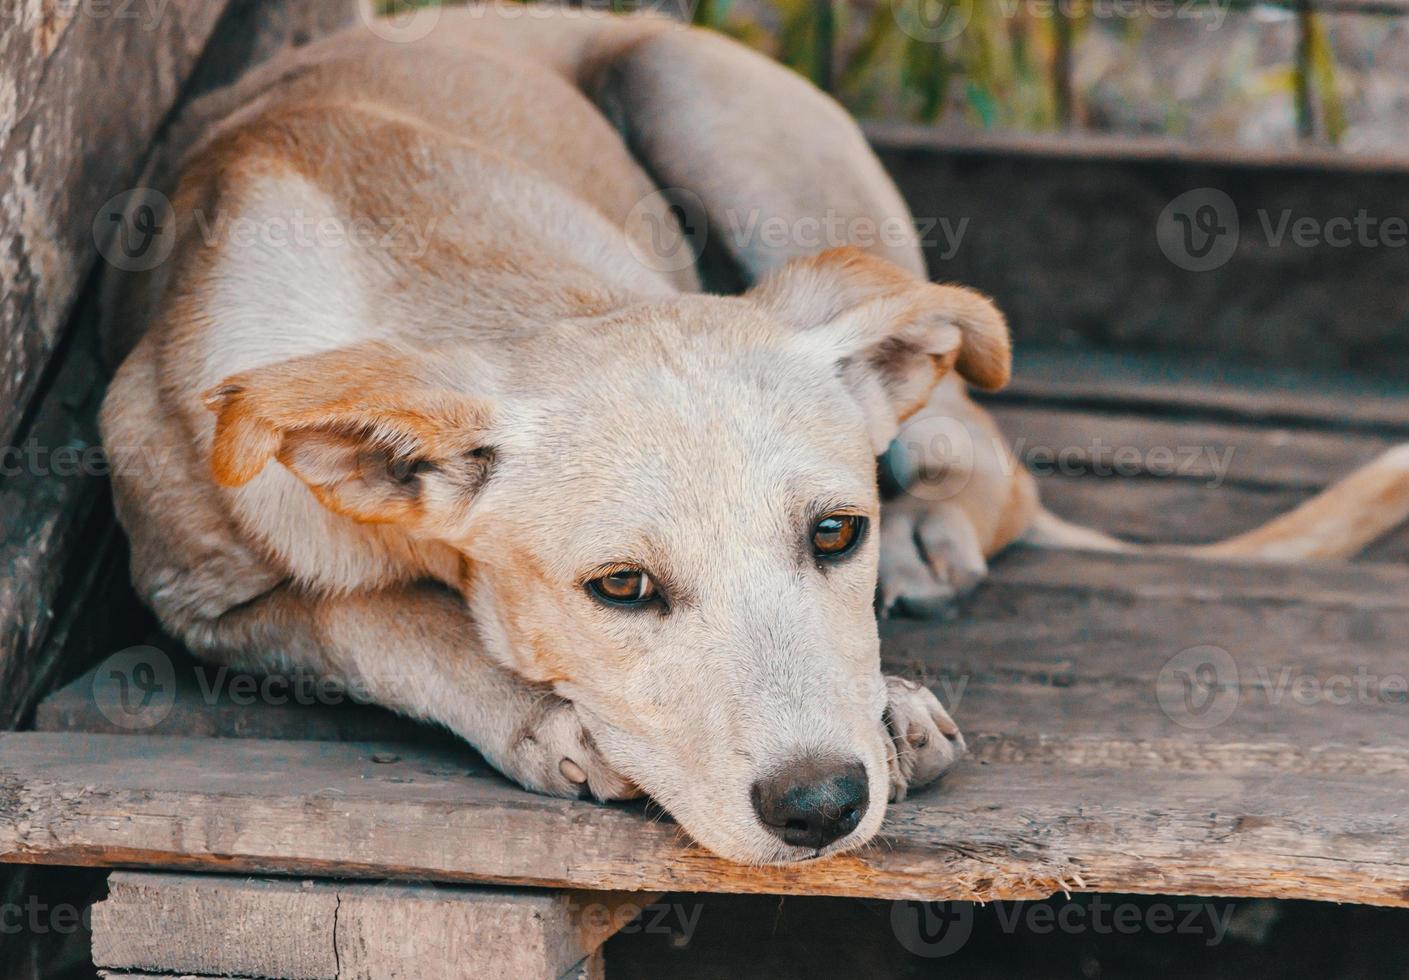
{"points": [[627, 587], [837, 534]]}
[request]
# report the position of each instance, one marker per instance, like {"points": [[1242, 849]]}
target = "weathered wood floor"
{"points": [[1138, 724]]}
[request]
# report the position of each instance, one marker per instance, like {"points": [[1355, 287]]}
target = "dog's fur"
{"points": [[398, 466]]}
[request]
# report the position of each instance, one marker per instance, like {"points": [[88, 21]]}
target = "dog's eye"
{"points": [[837, 534], [627, 587]]}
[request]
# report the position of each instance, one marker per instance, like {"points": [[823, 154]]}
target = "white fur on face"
{"points": [[708, 468]]}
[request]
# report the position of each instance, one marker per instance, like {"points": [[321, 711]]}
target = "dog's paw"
{"points": [[552, 753], [924, 741], [930, 557]]}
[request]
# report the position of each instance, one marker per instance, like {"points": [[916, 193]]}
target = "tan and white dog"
{"points": [[505, 471]]}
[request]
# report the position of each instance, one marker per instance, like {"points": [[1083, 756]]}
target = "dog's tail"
{"points": [[1336, 523]]}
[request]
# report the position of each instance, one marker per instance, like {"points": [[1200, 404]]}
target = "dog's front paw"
{"points": [[551, 752], [924, 741], [930, 556]]}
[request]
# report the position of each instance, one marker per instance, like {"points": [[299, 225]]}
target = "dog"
{"points": [[508, 470]]}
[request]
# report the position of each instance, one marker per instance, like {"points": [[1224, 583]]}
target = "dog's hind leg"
{"points": [[778, 169]]}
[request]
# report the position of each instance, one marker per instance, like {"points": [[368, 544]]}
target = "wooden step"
{"points": [[321, 930], [992, 830], [592, 968], [1208, 387]]}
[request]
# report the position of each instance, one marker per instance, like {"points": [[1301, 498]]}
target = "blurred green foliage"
{"points": [[1003, 64]]}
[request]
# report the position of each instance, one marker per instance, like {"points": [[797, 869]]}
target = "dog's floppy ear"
{"points": [[892, 336], [372, 431]]}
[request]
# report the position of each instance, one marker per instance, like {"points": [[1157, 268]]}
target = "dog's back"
{"points": [[355, 115]]}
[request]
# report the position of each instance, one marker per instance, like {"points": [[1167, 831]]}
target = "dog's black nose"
{"points": [[813, 802]]}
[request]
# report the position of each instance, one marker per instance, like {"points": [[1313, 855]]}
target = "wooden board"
{"points": [[592, 968], [321, 930], [73, 139], [1204, 386], [55, 529], [994, 830], [213, 702], [1121, 444], [895, 136], [1067, 244]]}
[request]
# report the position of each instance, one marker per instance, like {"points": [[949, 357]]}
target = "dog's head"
{"points": [[667, 512]]}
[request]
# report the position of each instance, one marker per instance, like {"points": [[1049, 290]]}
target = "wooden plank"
{"points": [[53, 504], [212, 701], [1062, 440], [1054, 664], [1122, 727], [74, 140], [26, 48], [592, 968], [1195, 386], [1317, 584], [320, 930], [894, 136], [991, 831], [1084, 660], [1066, 242], [1112, 618]]}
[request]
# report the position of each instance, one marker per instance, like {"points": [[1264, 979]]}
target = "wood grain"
{"points": [[74, 140], [592, 968], [322, 930], [1208, 387], [214, 702], [54, 525], [1211, 454], [991, 831], [1061, 233], [894, 136]]}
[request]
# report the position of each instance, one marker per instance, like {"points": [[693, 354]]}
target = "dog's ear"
{"points": [[371, 430], [892, 337]]}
